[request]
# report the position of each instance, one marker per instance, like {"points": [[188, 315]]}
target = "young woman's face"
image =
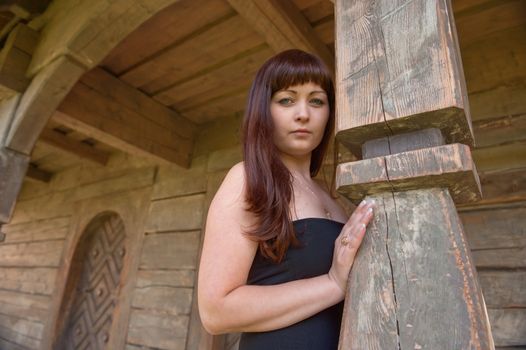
{"points": [[300, 114]]}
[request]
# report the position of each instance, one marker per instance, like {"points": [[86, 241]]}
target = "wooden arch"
{"points": [[63, 55]]}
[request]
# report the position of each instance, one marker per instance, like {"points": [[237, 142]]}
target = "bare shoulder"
{"points": [[233, 186], [229, 200]]}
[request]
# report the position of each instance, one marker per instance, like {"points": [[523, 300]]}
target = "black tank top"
{"points": [[311, 259]]}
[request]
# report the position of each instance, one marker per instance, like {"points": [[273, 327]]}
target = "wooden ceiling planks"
{"points": [[170, 26], [234, 75], [207, 54], [220, 107], [218, 42]]}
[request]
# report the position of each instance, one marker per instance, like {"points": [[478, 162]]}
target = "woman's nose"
{"points": [[302, 112]]}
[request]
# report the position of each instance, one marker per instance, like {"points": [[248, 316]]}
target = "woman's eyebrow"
{"points": [[312, 92]]}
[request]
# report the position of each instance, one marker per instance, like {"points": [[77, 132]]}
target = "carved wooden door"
{"points": [[94, 296]]}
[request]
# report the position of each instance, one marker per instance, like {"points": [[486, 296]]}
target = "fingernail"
{"points": [[370, 210], [362, 203]]}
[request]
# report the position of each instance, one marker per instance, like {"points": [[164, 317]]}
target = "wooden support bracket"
{"points": [[449, 166]]}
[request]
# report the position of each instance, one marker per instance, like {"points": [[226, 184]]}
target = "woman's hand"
{"points": [[348, 242]]}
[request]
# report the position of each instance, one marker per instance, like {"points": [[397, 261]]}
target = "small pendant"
{"points": [[328, 214]]}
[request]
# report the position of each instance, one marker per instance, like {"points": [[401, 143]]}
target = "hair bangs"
{"points": [[298, 68]]}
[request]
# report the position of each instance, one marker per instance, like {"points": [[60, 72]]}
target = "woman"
{"points": [[278, 248]]}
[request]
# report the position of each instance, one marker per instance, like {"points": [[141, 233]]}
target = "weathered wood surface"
{"points": [[177, 22], [509, 326], [157, 330], [39, 101], [499, 188], [101, 117], [402, 143], [36, 174], [283, 26], [115, 89], [238, 71], [13, 166], [380, 85], [447, 166], [15, 57], [503, 289], [174, 181], [80, 149], [176, 214], [92, 30], [414, 253], [170, 250], [497, 237], [131, 205], [220, 40]]}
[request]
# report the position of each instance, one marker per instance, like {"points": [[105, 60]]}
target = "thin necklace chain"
{"points": [[326, 211]]}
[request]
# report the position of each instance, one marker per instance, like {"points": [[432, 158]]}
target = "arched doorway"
{"points": [[93, 285]]}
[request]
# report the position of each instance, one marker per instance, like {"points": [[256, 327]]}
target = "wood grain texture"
{"points": [[115, 89], [178, 21], [101, 117], [283, 26], [88, 31], [386, 85], [80, 149], [157, 330], [509, 326], [503, 289], [499, 188], [13, 166], [39, 101], [448, 166], [15, 57], [414, 252], [221, 40], [170, 251]]}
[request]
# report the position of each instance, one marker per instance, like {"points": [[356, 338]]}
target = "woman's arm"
{"points": [[227, 303]]}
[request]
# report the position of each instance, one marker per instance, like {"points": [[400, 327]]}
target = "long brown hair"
{"points": [[268, 182]]}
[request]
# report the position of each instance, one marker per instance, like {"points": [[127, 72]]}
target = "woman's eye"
{"points": [[317, 101], [285, 101]]}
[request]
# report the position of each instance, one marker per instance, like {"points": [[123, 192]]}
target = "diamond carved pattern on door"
{"points": [[94, 284]]}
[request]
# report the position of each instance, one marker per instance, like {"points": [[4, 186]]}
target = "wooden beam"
{"points": [[39, 175], [283, 26], [39, 101], [81, 149], [14, 60], [30, 6], [399, 82], [13, 166], [108, 110]]}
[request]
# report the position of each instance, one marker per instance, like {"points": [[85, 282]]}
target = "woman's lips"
{"points": [[301, 131]]}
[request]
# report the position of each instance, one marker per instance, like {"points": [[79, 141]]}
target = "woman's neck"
{"points": [[298, 166]]}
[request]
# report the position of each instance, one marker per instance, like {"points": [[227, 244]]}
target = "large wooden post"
{"points": [[402, 108]]}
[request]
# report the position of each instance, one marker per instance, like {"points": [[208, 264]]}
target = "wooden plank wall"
{"points": [[35, 240], [162, 300], [497, 238]]}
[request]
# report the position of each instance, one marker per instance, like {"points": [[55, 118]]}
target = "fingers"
{"points": [[362, 213], [354, 230]]}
